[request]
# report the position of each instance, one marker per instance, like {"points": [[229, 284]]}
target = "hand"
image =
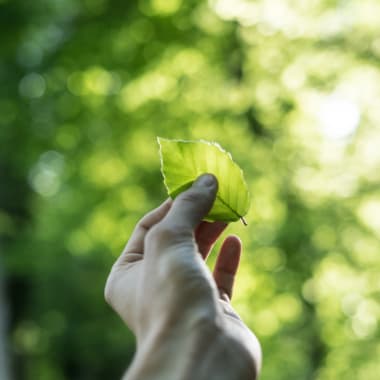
{"points": [[162, 289]]}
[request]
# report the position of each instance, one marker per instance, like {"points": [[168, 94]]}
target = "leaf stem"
{"points": [[243, 221]]}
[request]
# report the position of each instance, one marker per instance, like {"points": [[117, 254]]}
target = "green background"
{"points": [[290, 88]]}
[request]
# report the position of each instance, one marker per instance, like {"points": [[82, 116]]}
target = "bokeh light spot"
{"points": [[166, 7], [339, 118], [266, 322], [364, 322], [45, 176], [369, 214], [32, 86]]}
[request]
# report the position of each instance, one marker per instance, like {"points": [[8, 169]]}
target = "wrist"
{"points": [[172, 352], [202, 351]]}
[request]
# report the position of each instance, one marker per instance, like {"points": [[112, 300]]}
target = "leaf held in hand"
{"points": [[182, 162]]}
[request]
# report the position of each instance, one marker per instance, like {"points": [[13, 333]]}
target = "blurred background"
{"points": [[290, 88]]}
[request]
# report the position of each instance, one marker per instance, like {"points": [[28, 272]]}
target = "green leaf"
{"points": [[183, 161]]}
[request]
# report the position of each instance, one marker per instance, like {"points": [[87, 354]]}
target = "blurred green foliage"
{"points": [[291, 88]]}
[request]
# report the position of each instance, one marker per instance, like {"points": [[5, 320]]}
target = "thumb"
{"points": [[190, 207]]}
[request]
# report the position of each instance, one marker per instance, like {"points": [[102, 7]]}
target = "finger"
{"points": [[227, 265], [135, 245], [190, 207], [206, 235]]}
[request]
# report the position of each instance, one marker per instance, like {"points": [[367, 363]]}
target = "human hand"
{"points": [[161, 287]]}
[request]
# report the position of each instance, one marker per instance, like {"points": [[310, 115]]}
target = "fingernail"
{"points": [[207, 180]]}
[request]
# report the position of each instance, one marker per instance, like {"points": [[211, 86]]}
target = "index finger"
{"points": [[135, 243]]}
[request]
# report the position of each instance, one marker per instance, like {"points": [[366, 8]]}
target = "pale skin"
{"points": [[180, 313]]}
